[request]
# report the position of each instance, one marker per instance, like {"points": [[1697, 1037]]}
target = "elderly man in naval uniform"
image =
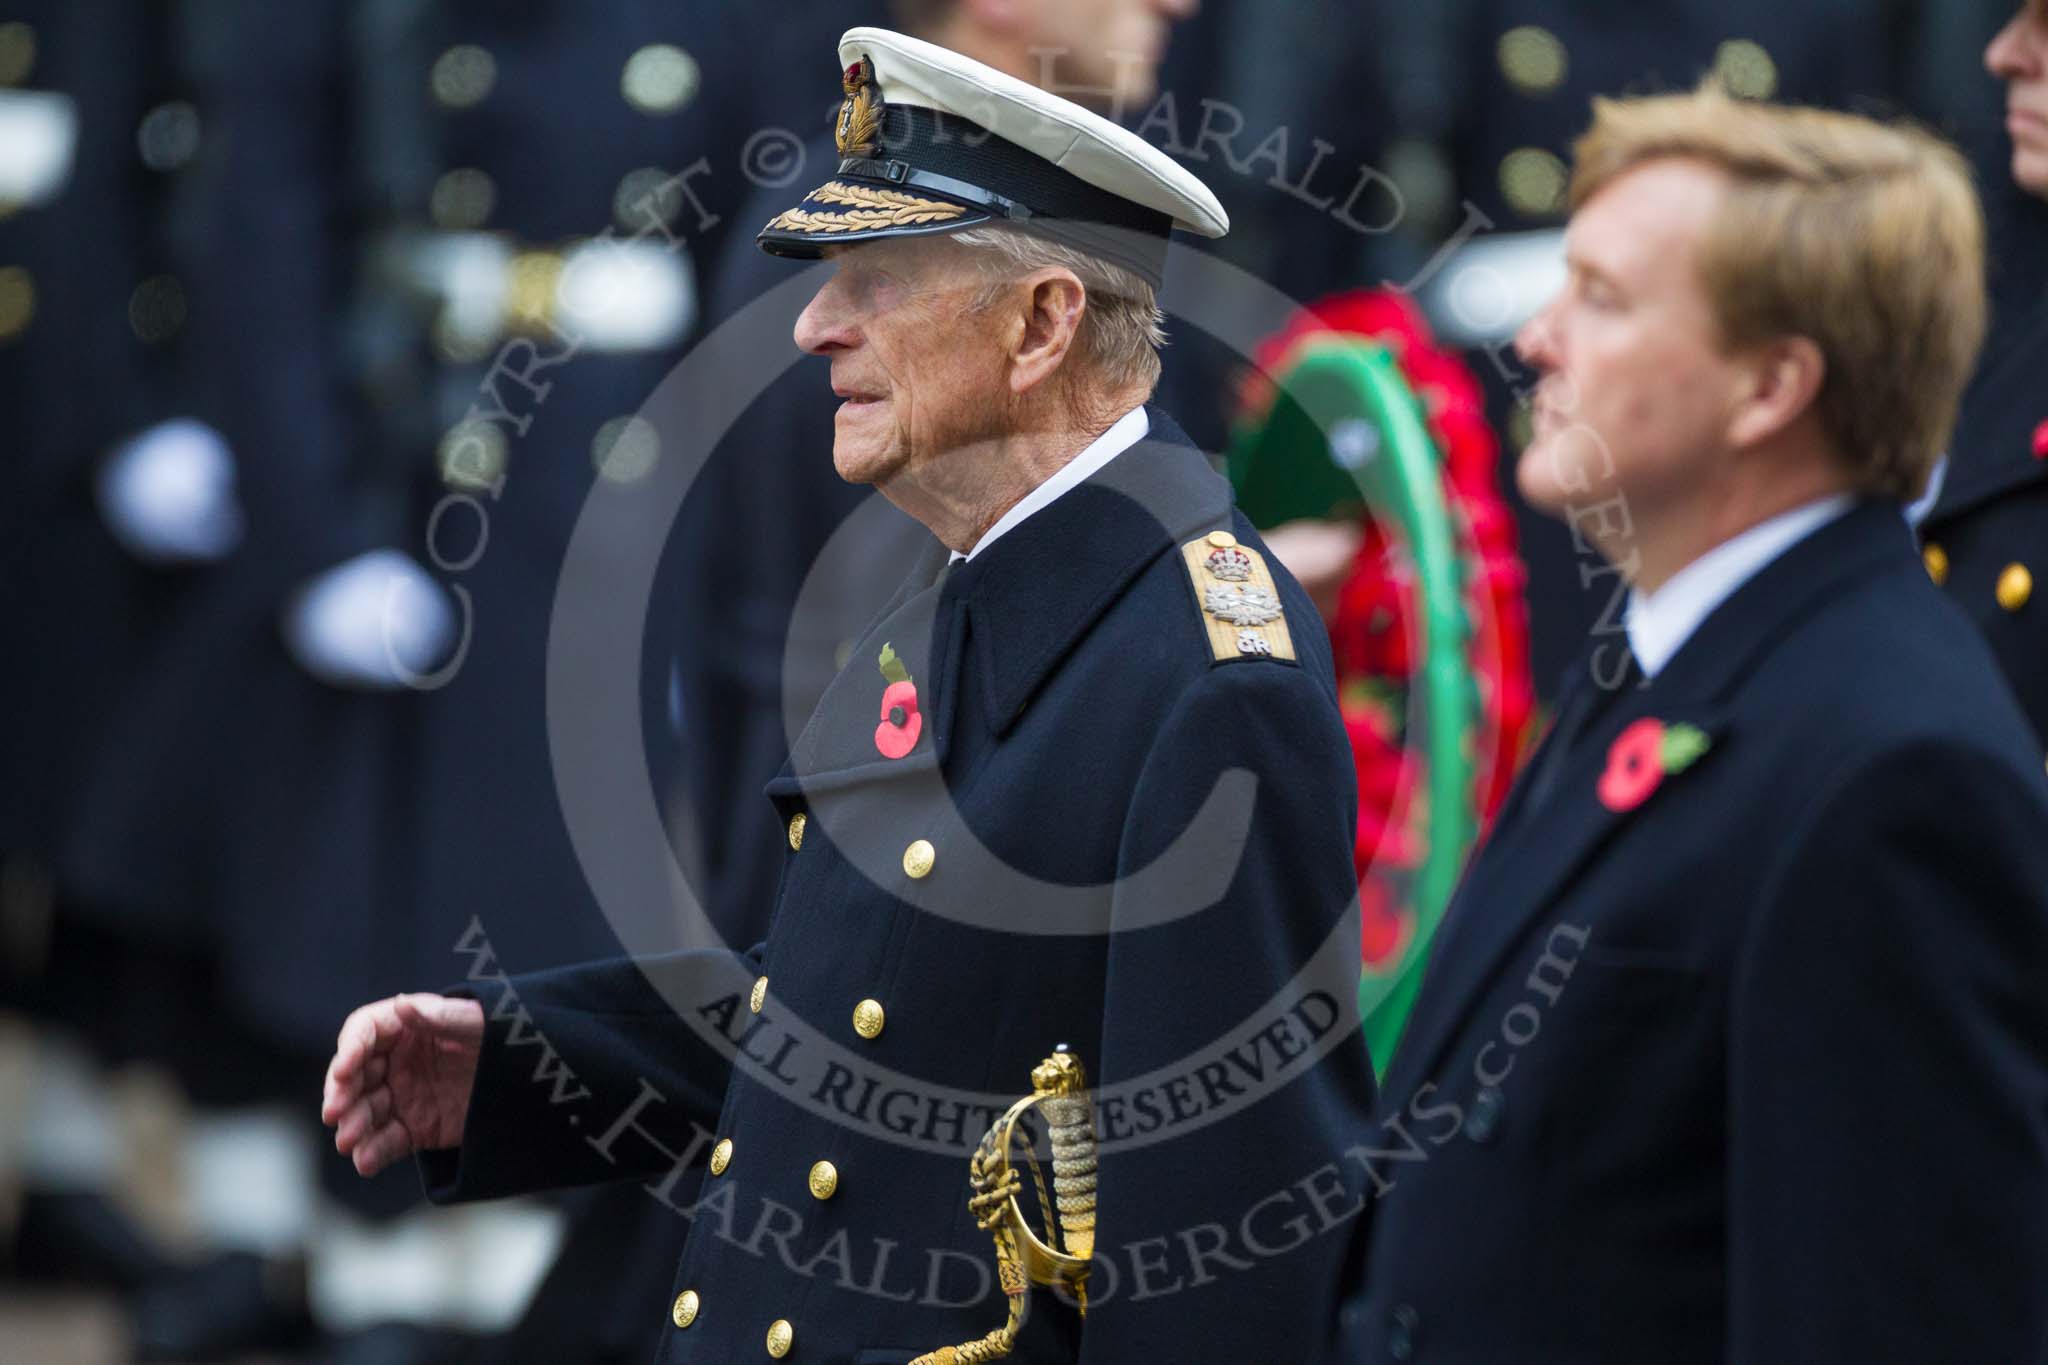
{"points": [[1078, 805]]}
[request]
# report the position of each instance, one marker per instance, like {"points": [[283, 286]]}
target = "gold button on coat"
{"points": [[824, 1180], [781, 1336], [1936, 560], [1222, 540], [760, 995], [868, 1018], [721, 1156], [918, 859], [685, 1311], [796, 831], [2015, 586]]}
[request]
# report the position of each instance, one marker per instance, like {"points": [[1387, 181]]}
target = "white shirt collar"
{"points": [[1660, 623], [1917, 510], [1130, 429]]}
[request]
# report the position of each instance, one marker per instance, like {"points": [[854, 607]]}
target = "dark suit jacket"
{"points": [[1757, 1070], [1140, 851]]}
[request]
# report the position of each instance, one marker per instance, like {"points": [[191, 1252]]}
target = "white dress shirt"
{"points": [[1660, 623], [1129, 429]]}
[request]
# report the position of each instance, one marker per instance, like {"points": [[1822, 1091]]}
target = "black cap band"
{"points": [[928, 141], [924, 173]]}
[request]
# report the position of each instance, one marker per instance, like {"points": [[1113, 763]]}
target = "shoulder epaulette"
{"points": [[1239, 604]]}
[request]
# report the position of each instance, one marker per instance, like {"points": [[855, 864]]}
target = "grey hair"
{"points": [[1122, 327]]}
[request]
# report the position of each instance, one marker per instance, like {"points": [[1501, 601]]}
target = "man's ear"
{"points": [[1784, 379], [1053, 303]]}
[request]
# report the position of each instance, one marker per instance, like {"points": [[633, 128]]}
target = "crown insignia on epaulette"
{"points": [[1229, 564]]}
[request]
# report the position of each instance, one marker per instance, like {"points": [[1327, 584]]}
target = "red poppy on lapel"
{"points": [[1642, 756], [901, 723]]}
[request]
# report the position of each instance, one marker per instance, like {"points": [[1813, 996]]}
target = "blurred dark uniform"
{"points": [[1986, 541], [539, 128], [151, 272], [451, 160], [201, 813], [1279, 108], [1490, 95], [66, 268], [1986, 538], [188, 271], [763, 508], [484, 736]]}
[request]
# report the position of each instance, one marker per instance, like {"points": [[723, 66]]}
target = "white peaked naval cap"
{"points": [[932, 142]]}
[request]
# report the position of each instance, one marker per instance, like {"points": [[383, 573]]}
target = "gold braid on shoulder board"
{"points": [[1059, 1086]]}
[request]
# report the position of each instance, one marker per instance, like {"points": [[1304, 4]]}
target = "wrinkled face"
{"points": [[919, 371], [1635, 393], [1111, 46], [2019, 57]]}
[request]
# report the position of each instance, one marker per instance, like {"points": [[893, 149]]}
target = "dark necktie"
{"points": [[1577, 717]]}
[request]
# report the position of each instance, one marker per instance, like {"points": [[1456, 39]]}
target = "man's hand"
{"points": [[401, 1076]]}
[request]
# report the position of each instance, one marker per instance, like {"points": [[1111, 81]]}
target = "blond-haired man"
{"points": [[1733, 1046]]}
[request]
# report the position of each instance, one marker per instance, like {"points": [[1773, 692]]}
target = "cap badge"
{"points": [[858, 131]]}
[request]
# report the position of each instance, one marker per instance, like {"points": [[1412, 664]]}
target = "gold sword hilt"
{"points": [[1059, 1086]]}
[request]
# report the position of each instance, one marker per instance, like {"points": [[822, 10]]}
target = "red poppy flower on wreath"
{"points": [[901, 723], [1385, 926], [1643, 756]]}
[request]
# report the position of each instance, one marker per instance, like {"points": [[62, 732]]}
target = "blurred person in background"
{"points": [[162, 308], [1285, 110], [292, 249], [92, 376], [1986, 536]]}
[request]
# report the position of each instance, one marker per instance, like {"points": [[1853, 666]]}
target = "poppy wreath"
{"points": [[1371, 629]]}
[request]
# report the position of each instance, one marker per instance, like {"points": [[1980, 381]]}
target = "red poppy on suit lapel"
{"points": [[1642, 756], [901, 723]]}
